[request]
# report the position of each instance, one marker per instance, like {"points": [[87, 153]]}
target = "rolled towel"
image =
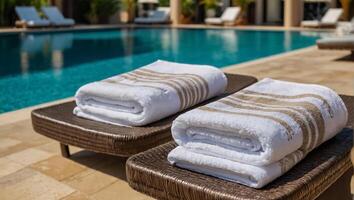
{"points": [[149, 94], [270, 123]]}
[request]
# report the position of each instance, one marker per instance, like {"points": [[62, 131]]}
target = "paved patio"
{"points": [[31, 167]]}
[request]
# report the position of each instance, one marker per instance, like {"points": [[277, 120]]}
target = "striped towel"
{"points": [[259, 133], [149, 94]]}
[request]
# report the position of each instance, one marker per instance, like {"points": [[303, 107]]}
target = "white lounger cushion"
{"points": [[311, 23], [229, 16], [345, 43], [332, 16], [56, 17], [345, 28], [161, 15], [214, 20], [29, 15], [329, 19]]}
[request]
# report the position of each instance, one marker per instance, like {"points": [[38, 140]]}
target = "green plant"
{"points": [[101, 10], [210, 4], [164, 3], [127, 5], [39, 3], [243, 4], [188, 8], [7, 9]]}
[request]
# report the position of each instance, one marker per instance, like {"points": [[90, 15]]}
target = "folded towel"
{"points": [[249, 175], [270, 123], [148, 94]]}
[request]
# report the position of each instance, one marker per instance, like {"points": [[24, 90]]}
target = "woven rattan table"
{"points": [[59, 123], [324, 174]]}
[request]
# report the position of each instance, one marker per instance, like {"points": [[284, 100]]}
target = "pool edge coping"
{"points": [[11, 30]]}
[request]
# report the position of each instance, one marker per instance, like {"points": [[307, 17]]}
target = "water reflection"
{"points": [[227, 41], [287, 41], [34, 45], [23, 54], [35, 52]]}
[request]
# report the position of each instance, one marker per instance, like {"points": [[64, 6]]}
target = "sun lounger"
{"points": [[59, 123], [29, 17], [330, 19], [228, 17], [56, 18], [337, 43], [324, 174], [345, 28], [159, 16]]}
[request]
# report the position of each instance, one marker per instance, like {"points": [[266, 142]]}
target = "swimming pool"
{"points": [[42, 67]]}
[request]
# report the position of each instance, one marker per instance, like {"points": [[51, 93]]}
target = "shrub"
{"points": [[101, 10], [7, 9]]}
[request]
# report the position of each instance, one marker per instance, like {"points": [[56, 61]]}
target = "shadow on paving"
{"points": [[348, 58], [108, 164]]}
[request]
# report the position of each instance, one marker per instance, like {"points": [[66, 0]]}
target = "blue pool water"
{"points": [[42, 67]]}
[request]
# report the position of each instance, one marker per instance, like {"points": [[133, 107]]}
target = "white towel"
{"points": [[149, 94], [249, 175], [270, 123]]}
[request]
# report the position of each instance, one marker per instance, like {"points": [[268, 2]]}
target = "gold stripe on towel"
{"points": [[176, 87], [190, 88], [304, 113], [290, 160], [308, 106], [325, 102], [200, 79], [293, 115], [198, 82], [195, 91], [284, 163], [281, 122], [308, 135], [184, 86], [184, 89]]}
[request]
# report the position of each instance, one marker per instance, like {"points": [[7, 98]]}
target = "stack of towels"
{"points": [[259, 133], [149, 93]]}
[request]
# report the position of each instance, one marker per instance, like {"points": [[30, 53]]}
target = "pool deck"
{"points": [[30, 163]]}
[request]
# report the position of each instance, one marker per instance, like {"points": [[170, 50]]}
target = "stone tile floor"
{"points": [[36, 170], [31, 166], [334, 69]]}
